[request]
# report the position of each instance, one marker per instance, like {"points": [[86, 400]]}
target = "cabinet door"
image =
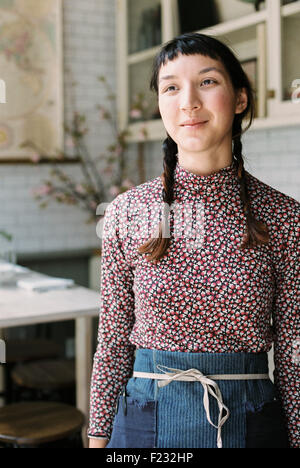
{"points": [[139, 35], [145, 24], [283, 58]]}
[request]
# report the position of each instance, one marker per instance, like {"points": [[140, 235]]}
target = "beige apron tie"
{"points": [[209, 386]]}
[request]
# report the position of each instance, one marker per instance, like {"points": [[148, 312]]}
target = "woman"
{"points": [[188, 294]]}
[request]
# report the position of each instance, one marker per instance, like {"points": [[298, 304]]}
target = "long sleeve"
{"points": [[286, 330], [113, 359]]}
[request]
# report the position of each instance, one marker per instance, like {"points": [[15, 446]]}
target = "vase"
{"points": [[7, 250]]}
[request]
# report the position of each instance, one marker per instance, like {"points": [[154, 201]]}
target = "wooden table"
{"points": [[19, 307]]}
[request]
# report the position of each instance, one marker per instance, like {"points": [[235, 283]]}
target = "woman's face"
{"points": [[189, 88]]}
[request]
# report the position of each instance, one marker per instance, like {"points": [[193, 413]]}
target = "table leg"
{"points": [[2, 379], [84, 359]]}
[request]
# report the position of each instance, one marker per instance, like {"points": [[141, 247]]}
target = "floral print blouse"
{"points": [[205, 295]]}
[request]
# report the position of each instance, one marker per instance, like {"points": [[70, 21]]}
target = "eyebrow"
{"points": [[204, 70]]}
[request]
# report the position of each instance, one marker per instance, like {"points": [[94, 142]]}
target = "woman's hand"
{"points": [[98, 443]]}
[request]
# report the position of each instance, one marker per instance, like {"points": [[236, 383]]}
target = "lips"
{"points": [[193, 123]]}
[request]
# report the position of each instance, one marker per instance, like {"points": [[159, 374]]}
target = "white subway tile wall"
{"points": [[89, 51]]}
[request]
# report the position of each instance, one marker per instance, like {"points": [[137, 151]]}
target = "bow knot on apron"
{"points": [[210, 387]]}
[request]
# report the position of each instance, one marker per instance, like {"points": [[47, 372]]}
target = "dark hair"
{"points": [[192, 44]]}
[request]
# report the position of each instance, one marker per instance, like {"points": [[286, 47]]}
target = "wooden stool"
{"points": [[31, 350], [32, 424], [46, 376], [18, 351]]}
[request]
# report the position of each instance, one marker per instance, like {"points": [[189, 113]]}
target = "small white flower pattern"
{"points": [[206, 296]]}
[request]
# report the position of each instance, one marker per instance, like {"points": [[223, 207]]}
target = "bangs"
{"points": [[187, 44]]}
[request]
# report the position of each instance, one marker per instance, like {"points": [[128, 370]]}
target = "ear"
{"points": [[241, 101]]}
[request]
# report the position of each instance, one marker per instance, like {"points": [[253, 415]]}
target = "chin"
{"points": [[192, 146]]}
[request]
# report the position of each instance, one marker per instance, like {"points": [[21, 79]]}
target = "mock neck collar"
{"points": [[189, 181]]}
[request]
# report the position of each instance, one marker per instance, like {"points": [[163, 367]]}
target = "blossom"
{"points": [[42, 190], [70, 142], [80, 189], [35, 157], [135, 113], [114, 190], [127, 183], [93, 204]]}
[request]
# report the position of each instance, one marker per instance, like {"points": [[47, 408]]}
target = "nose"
{"points": [[190, 100]]}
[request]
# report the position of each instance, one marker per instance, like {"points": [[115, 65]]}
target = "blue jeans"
{"points": [[173, 416]]}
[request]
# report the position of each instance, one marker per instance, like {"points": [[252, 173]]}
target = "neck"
{"points": [[188, 181], [203, 167]]}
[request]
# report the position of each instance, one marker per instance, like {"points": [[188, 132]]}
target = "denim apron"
{"points": [[173, 415]]}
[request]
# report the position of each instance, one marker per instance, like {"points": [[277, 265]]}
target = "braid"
{"points": [[156, 247], [169, 164], [257, 231]]}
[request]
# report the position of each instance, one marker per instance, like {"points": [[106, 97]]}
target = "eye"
{"points": [[208, 79], [171, 86]]}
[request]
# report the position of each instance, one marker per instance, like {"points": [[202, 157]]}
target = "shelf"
{"points": [[155, 129], [236, 24], [290, 9], [157, 132], [143, 55], [269, 122]]}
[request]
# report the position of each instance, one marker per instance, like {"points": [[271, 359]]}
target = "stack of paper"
{"points": [[8, 270], [44, 283]]}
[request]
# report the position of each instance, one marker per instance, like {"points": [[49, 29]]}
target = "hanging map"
{"points": [[31, 72]]}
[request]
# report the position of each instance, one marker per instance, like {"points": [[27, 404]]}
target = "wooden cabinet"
{"points": [[265, 41]]}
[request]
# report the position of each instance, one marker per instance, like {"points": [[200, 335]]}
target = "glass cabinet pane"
{"points": [[290, 55], [232, 9], [144, 24], [194, 15], [142, 101]]}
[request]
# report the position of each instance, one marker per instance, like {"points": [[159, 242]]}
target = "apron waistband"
{"points": [[209, 387]]}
